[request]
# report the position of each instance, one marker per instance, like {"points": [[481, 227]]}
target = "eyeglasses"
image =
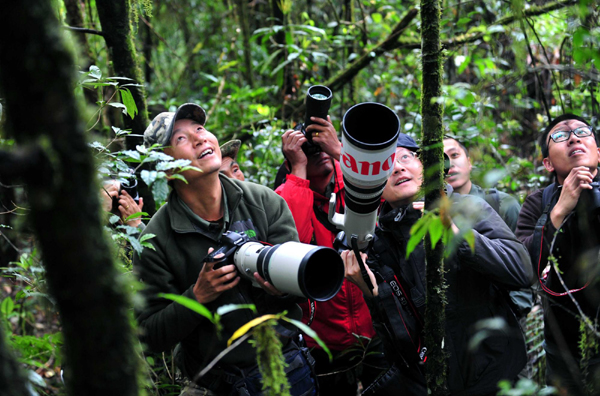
{"points": [[406, 157], [561, 136]]}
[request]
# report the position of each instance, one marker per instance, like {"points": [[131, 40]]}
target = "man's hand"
{"points": [[324, 134], [579, 179], [212, 282], [266, 286], [292, 149], [127, 207], [354, 275], [110, 190]]}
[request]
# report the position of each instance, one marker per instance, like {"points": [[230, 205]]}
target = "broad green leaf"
{"points": [[131, 154], [7, 306], [189, 303], [148, 176], [248, 326], [129, 102], [436, 229], [145, 237], [417, 232], [309, 332], [160, 190], [376, 17], [470, 238], [162, 166], [95, 72]]}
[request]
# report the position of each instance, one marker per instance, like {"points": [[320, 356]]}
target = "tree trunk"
{"points": [[242, 12], [53, 159], [435, 314], [116, 25], [12, 382]]}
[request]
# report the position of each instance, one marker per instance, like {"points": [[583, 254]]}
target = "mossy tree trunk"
{"points": [[243, 20], [115, 18], [433, 164], [53, 159]]}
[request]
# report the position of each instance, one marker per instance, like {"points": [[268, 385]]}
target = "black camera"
{"points": [[300, 269], [129, 185], [318, 102], [594, 195]]}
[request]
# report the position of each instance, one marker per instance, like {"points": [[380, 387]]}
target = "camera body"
{"points": [[594, 193], [300, 269], [318, 102]]}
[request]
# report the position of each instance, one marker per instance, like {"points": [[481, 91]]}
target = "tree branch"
{"points": [[84, 30], [470, 37]]}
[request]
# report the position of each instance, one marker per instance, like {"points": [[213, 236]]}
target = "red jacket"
{"points": [[335, 320]]}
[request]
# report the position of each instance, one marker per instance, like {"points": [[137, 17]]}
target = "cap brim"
{"points": [[189, 111], [230, 149]]}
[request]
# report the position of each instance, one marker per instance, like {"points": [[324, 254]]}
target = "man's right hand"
{"points": [[212, 282], [292, 149], [579, 179]]}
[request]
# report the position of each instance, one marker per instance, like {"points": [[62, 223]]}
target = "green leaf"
{"points": [[376, 17], [145, 237], [148, 177], [160, 190], [436, 229], [162, 166], [189, 303], [225, 309], [119, 106], [470, 238], [309, 332], [131, 154], [129, 102], [417, 232], [95, 72], [7, 306]]}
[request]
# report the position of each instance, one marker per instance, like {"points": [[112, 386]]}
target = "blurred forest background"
{"points": [[509, 67]]}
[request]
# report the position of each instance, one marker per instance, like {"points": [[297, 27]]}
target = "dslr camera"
{"points": [[129, 185], [318, 102], [300, 269]]}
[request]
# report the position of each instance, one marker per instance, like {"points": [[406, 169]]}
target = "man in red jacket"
{"points": [[344, 322]]}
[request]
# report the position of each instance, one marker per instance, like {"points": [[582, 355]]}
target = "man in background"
{"points": [[344, 322], [229, 165]]}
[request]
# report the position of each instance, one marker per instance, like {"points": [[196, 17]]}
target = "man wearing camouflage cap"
{"points": [[229, 164], [188, 227]]}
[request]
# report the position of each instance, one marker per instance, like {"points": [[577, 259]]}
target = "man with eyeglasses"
{"points": [[562, 220], [476, 280]]}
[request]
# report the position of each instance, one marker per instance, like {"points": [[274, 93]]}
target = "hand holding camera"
{"points": [[214, 278], [580, 178]]}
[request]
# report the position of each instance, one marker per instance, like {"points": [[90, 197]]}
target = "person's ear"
{"points": [[470, 164], [548, 164]]}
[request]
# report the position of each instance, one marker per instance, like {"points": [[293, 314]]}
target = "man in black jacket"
{"points": [[570, 150], [476, 283]]}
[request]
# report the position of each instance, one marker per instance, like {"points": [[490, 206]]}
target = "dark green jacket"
{"points": [[508, 207], [181, 242]]}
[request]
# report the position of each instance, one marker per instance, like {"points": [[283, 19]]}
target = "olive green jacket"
{"points": [[181, 241]]}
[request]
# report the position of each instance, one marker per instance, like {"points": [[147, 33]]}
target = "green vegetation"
{"points": [[507, 67]]}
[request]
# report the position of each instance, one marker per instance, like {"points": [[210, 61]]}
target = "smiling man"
{"points": [[459, 177], [186, 229], [565, 215], [476, 281]]}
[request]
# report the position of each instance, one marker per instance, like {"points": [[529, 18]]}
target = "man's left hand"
{"points": [[324, 134], [269, 288]]}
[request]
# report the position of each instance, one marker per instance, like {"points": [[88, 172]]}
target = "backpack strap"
{"points": [[493, 199]]}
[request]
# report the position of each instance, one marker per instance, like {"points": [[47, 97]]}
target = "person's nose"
{"points": [[574, 138]]}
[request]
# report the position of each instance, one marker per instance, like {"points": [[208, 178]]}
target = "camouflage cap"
{"points": [[230, 149], [160, 129]]}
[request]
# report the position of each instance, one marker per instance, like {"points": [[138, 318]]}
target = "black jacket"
{"points": [[474, 279]]}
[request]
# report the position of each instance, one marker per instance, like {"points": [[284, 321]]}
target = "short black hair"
{"points": [[543, 139], [462, 146]]}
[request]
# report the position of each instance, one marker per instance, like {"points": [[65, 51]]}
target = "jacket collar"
{"points": [[183, 220]]}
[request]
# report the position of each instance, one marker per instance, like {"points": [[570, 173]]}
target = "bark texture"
{"points": [[37, 82], [433, 165]]}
